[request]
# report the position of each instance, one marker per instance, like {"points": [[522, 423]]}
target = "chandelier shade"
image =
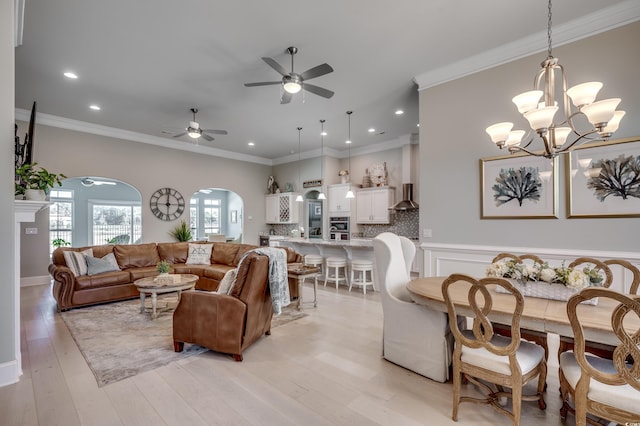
{"points": [[299, 198], [321, 196], [573, 118], [350, 193]]}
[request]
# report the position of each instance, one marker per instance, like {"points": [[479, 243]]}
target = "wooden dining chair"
{"points": [[537, 337], [481, 355], [599, 349], [606, 388]]}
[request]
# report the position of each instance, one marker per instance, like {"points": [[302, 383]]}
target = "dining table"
{"points": [[544, 315]]}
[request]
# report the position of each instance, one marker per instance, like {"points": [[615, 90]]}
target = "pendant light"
{"points": [[321, 196], [299, 198], [350, 193]]}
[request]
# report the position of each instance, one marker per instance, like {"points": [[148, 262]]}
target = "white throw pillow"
{"points": [[226, 284], [199, 254], [96, 265], [76, 261]]}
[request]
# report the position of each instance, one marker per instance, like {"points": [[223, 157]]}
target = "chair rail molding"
{"points": [[445, 259]]}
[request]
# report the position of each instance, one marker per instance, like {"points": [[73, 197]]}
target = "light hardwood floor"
{"points": [[324, 369]]}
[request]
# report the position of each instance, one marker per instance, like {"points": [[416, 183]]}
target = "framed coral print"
{"points": [[603, 179], [518, 187]]}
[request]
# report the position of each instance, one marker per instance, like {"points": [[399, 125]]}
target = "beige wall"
{"points": [[453, 117], [147, 168], [7, 231]]}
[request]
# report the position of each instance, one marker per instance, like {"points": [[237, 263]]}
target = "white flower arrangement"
{"points": [[523, 272]]}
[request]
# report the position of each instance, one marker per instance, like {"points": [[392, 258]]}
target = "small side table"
{"points": [[300, 272], [149, 286]]}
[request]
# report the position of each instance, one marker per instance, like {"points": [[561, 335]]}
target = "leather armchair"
{"points": [[414, 336], [227, 323]]}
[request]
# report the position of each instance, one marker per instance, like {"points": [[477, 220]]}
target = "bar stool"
{"points": [[361, 266], [315, 260], [336, 263]]}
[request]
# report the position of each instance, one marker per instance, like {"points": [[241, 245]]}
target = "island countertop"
{"points": [[354, 242]]}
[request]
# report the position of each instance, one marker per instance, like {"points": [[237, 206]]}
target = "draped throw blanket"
{"points": [[278, 277]]}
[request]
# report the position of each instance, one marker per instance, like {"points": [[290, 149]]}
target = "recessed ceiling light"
{"points": [[70, 74], [399, 112], [95, 107], [251, 144], [371, 130]]}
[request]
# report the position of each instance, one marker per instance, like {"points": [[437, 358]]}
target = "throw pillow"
{"points": [[96, 265], [76, 261], [226, 283], [199, 254]]}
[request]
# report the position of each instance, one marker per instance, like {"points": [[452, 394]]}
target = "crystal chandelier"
{"points": [[559, 134]]}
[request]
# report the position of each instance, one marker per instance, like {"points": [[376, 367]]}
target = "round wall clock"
{"points": [[167, 204]]}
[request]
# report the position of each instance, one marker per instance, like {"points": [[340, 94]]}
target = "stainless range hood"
{"points": [[407, 202]]}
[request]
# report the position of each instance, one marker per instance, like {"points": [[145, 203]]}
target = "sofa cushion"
{"points": [[136, 255], [105, 279], [182, 268], [225, 253], [174, 252], [216, 271], [97, 265], [77, 261], [199, 254], [241, 275], [292, 255], [145, 271], [242, 249]]}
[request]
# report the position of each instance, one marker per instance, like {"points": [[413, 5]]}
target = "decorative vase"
{"points": [[35, 195]]}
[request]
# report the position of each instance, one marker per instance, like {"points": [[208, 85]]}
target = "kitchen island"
{"points": [[357, 248]]}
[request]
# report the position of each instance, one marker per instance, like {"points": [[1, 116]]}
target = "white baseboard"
{"points": [[446, 259], [31, 281], [9, 373]]}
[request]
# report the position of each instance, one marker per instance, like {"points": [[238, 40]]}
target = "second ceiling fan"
{"points": [[293, 82], [194, 131]]}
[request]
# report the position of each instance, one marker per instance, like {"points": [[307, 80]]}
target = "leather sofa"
{"points": [[227, 323], [139, 261]]}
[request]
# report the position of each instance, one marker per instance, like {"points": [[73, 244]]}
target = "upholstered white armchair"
{"points": [[414, 336]]}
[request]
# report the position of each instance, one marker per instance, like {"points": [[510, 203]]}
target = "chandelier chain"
{"points": [[549, 55]]}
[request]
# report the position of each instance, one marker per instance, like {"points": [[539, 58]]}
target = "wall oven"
{"points": [[339, 228]]}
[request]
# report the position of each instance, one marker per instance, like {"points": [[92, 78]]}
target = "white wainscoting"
{"points": [[445, 259]]}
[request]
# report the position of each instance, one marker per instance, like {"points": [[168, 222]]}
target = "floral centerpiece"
{"points": [[561, 282]]}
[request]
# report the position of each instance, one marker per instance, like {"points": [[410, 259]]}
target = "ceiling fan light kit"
{"points": [[555, 132], [194, 131], [293, 82]]}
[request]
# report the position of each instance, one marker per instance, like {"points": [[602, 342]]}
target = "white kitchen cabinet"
{"points": [[338, 203], [282, 208], [372, 205]]}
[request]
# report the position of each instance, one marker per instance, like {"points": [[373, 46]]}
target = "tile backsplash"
{"points": [[405, 223]]}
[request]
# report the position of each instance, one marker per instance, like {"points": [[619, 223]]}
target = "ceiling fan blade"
{"points": [[216, 132], [276, 66], [181, 134], [262, 83], [316, 90], [286, 97], [207, 137], [316, 71]]}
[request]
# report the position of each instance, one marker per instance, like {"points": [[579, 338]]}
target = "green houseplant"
{"points": [[60, 242], [36, 179], [163, 267], [181, 232]]}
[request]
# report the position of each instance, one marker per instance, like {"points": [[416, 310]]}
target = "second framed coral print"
{"points": [[603, 179], [518, 187]]}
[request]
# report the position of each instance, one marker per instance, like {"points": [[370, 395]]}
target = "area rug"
{"points": [[118, 342]]}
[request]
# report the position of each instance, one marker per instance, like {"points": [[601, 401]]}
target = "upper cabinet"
{"points": [[337, 201], [282, 208], [372, 205]]}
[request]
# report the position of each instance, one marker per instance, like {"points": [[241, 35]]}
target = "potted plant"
{"points": [[34, 183], [181, 232], [163, 267], [60, 242]]}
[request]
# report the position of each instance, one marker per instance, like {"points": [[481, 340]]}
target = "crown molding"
{"points": [[112, 132], [594, 23]]}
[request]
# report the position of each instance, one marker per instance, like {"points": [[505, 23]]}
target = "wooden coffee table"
{"points": [[149, 286], [300, 272]]}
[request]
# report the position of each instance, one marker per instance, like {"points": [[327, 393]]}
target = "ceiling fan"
{"points": [[194, 131], [293, 82]]}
